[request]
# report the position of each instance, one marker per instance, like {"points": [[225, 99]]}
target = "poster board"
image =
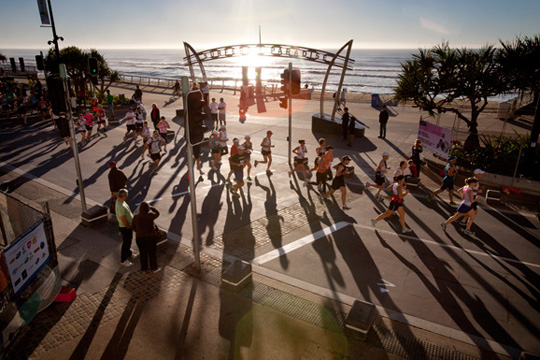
{"points": [[434, 138]]}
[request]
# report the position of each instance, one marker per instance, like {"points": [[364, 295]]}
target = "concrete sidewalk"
{"points": [[124, 313]]}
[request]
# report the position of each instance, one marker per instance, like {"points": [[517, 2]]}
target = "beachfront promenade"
{"points": [[437, 294]]}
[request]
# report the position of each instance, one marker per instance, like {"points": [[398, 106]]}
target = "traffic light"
{"points": [[283, 102], [196, 116], [285, 81], [295, 82], [39, 62], [93, 65]]}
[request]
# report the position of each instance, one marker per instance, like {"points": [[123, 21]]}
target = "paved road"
{"points": [[483, 289]]}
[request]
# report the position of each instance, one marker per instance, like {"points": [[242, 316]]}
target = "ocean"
{"points": [[374, 71]]}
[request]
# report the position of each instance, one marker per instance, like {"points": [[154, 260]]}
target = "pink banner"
{"points": [[434, 138]]}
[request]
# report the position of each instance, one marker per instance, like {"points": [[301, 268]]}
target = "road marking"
{"points": [[468, 251], [383, 285], [298, 243]]}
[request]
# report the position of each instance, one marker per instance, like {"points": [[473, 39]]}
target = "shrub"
{"points": [[499, 155]]}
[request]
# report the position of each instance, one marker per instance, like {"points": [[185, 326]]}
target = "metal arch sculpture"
{"points": [[275, 50]]}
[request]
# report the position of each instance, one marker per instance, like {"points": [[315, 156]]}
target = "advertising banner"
{"points": [[435, 138], [27, 256], [43, 12]]}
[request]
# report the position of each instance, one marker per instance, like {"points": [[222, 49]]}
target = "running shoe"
{"points": [[451, 203], [367, 184], [374, 222], [468, 232], [406, 230], [306, 183], [321, 198], [346, 208], [126, 263], [429, 198], [154, 172], [443, 225], [256, 163], [249, 178], [158, 269], [134, 254], [290, 174]]}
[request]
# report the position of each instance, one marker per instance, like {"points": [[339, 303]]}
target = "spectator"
{"points": [[125, 217], [143, 225]]}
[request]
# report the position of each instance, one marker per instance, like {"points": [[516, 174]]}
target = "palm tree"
{"points": [[105, 76], [520, 60], [438, 80]]}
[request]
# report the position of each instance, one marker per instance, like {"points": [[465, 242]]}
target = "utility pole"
{"points": [[290, 111], [55, 37]]}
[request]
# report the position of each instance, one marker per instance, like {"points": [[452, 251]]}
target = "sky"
{"points": [[393, 24]]}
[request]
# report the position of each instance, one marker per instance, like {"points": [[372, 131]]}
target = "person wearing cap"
{"points": [[248, 149], [396, 204], [476, 188], [448, 181], [117, 181], [234, 150], [214, 112], [380, 178], [129, 118], [339, 182], [215, 150], [163, 127], [237, 166], [222, 109], [300, 160], [465, 209], [266, 151], [223, 140]]}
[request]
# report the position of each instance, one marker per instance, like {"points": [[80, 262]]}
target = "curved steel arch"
{"points": [[275, 50]]}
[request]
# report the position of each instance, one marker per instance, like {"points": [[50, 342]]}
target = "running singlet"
{"points": [[130, 120], [266, 144], [163, 127], [466, 198], [155, 144], [448, 177], [301, 152], [395, 192]]}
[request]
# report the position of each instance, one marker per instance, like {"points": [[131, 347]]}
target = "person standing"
{"points": [[416, 155], [339, 182], [396, 204], [145, 236], [214, 111], [163, 127], [448, 181], [266, 151], [206, 94], [345, 123], [383, 120], [352, 128], [342, 98], [380, 172], [125, 217], [117, 181], [222, 108], [155, 115], [110, 104], [154, 147], [137, 95], [176, 89]]}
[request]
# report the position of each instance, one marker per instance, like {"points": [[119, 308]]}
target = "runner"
{"points": [[300, 160], [448, 181], [380, 178], [234, 150], [215, 150], [81, 127], [101, 120], [223, 141], [110, 104], [146, 134], [322, 169], [130, 124], [478, 173], [89, 125], [395, 205], [248, 147], [163, 127], [139, 121], [266, 145], [154, 147], [339, 182], [237, 165], [401, 170], [466, 206]]}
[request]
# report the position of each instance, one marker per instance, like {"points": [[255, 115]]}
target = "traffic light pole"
{"points": [[73, 138], [193, 200], [290, 112]]}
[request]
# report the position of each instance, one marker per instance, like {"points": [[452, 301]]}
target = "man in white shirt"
{"points": [[154, 145], [214, 111]]}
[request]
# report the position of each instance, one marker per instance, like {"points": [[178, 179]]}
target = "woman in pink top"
{"points": [[163, 126], [88, 117]]}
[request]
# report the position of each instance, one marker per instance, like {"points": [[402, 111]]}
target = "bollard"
{"points": [[236, 276], [360, 318], [94, 216]]}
